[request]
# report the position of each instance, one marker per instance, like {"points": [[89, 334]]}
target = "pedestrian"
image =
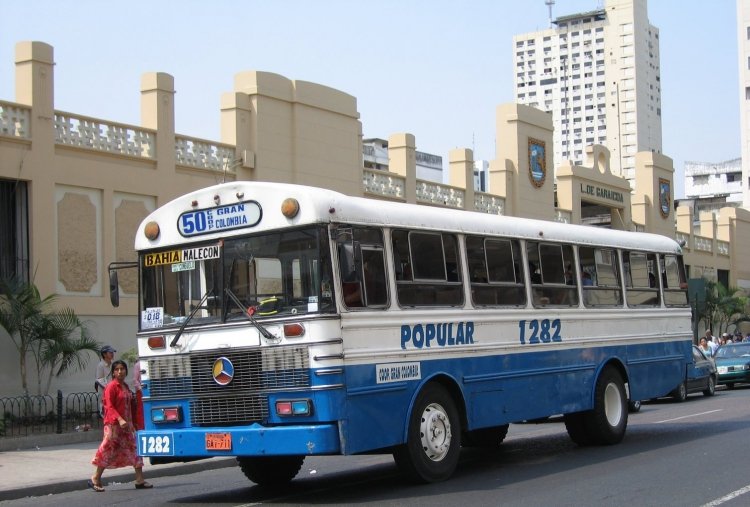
{"points": [[118, 447], [103, 374], [712, 341], [705, 348]]}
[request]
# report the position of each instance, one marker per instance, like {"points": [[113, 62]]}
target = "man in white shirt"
{"points": [[713, 342], [103, 373]]}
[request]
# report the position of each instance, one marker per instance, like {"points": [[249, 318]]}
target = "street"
{"points": [[674, 454]]}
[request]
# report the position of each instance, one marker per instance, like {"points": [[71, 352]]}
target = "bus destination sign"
{"points": [[220, 218]]}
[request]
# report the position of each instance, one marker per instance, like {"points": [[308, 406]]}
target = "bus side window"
{"points": [[600, 278], [362, 268], [549, 268], [493, 269], [375, 284], [427, 268], [675, 283], [641, 285]]}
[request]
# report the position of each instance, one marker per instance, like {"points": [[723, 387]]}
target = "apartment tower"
{"points": [[597, 72], [743, 52]]}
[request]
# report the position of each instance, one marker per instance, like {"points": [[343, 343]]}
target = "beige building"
{"points": [[74, 188]]}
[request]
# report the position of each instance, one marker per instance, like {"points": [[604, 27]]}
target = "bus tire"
{"points": [[575, 424], [271, 470], [607, 421], [433, 441], [485, 437]]}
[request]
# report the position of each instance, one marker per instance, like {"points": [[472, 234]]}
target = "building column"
{"points": [[157, 113], [236, 129], [402, 159], [35, 88], [461, 166]]}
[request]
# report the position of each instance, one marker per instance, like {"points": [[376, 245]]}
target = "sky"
{"points": [[434, 68]]}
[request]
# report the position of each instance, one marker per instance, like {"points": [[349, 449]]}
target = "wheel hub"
{"points": [[612, 405], [435, 432]]}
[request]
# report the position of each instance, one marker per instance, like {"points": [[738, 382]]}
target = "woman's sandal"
{"points": [[96, 487], [143, 485]]}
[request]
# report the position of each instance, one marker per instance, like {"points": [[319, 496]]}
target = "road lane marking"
{"points": [[688, 416], [726, 498]]}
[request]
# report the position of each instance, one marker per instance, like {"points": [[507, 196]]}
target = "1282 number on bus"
{"points": [[539, 331], [160, 445]]}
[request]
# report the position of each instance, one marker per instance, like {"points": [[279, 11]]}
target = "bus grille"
{"points": [[257, 371], [245, 410]]}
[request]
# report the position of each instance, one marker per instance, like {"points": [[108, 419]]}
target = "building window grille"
{"points": [[14, 230]]}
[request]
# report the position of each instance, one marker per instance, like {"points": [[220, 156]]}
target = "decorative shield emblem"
{"points": [[665, 197], [537, 162]]}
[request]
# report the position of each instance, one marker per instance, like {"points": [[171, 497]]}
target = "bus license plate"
{"points": [[218, 441]]}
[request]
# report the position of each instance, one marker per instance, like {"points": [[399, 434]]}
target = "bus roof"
{"points": [[317, 205]]}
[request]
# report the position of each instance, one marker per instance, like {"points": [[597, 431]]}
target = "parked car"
{"points": [[733, 363], [701, 378]]}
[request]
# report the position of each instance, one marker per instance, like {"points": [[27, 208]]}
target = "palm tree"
{"points": [[57, 351], [724, 306], [34, 326]]}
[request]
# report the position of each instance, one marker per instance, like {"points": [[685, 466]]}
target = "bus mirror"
{"points": [[114, 285], [114, 288]]}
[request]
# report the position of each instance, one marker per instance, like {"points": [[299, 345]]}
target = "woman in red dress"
{"points": [[118, 447]]}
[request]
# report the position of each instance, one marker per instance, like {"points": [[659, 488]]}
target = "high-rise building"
{"points": [[743, 52], [711, 186], [597, 72]]}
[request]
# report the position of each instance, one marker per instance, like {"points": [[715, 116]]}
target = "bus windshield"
{"points": [[275, 274]]}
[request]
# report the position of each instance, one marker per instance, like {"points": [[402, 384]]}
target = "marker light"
{"points": [[294, 330], [156, 342], [151, 231], [293, 407], [290, 207], [166, 414]]}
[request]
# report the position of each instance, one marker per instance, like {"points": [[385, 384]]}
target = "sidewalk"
{"points": [[54, 466]]}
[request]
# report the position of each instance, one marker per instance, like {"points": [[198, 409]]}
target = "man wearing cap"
{"points": [[104, 372]]}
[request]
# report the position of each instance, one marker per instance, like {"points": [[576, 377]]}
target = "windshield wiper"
{"points": [[262, 330], [189, 317]]}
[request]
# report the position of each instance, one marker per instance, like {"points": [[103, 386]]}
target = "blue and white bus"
{"points": [[279, 321]]}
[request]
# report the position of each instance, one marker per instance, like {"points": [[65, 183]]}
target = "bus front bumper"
{"points": [[253, 440]]}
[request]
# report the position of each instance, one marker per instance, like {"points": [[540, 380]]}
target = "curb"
{"points": [[152, 472], [49, 439]]}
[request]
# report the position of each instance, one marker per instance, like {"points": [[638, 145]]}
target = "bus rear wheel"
{"points": [[485, 437], [271, 470], [432, 446], [605, 424]]}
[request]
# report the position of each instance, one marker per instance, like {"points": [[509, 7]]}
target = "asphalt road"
{"points": [[674, 454]]}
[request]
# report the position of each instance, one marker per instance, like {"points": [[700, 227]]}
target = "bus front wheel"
{"points": [[433, 441], [271, 470]]}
